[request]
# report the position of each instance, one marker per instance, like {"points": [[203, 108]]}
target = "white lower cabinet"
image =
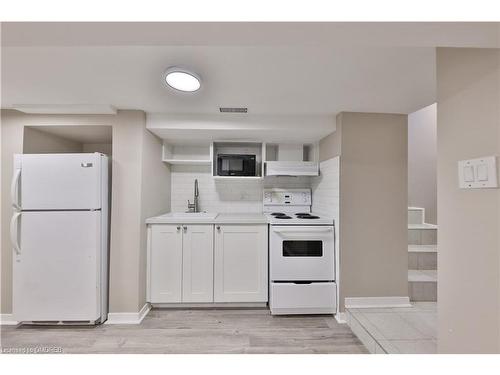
{"points": [[165, 263], [241, 257], [198, 264], [189, 264]]}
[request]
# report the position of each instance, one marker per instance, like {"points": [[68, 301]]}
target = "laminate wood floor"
{"points": [[195, 331]]}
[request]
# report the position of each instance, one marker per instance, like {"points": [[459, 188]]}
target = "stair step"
{"points": [[418, 276], [422, 248], [416, 215], [422, 226], [422, 237], [422, 285], [422, 261]]}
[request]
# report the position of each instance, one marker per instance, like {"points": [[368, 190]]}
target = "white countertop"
{"points": [[241, 218], [233, 218]]}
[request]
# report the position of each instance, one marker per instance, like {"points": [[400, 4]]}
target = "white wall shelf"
{"points": [[187, 161], [205, 154], [246, 178], [308, 153], [187, 154]]}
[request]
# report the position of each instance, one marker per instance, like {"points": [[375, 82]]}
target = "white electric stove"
{"points": [[302, 254]]}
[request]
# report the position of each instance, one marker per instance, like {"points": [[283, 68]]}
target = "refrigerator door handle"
{"points": [[14, 233], [14, 189]]}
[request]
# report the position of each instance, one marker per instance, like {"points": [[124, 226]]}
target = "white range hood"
{"points": [[292, 168]]}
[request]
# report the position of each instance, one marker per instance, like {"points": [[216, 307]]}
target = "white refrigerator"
{"points": [[59, 234]]}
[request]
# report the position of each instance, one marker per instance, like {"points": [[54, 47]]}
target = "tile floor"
{"points": [[411, 330]]}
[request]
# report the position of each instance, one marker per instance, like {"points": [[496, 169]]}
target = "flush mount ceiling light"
{"points": [[181, 79]]}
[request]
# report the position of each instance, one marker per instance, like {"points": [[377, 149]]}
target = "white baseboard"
{"points": [[341, 317], [128, 318], [210, 305], [7, 320], [374, 302]]}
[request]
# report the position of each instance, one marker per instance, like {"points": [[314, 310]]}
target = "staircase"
{"points": [[422, 257]]}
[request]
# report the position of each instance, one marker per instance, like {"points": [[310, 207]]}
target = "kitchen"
{"points": [[290, 268], [212, 203], [216, 257], [212, 249], [223, 257]]}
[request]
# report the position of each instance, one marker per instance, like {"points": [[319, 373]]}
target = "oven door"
{"points": [[302, 253]]}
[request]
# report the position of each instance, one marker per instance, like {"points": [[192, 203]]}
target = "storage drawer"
{"points": [[314, 298]]}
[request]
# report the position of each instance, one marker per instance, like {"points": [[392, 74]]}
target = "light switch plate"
{"points": [[478, 173]]}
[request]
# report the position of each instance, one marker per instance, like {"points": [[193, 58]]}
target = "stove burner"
{"points": [[283, 216], [306, 216], [278, 214]]}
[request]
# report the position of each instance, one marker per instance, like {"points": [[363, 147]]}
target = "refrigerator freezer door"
{"points": [[60, 181], [56, 271]]}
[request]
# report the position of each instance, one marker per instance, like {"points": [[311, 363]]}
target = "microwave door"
{"points": [[232, 166], [235, 165]]}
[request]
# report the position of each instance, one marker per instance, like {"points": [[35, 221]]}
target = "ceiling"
{"points": [[273, 68]]}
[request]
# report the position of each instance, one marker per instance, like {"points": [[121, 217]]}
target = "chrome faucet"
{"points": [[193, 207]]}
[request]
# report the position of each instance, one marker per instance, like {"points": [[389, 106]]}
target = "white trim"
{"points": [[7, 320], [148, 261], [341, 317], [363, 335], [301, 311], [367, 302], [144, 311], [129, 318]]}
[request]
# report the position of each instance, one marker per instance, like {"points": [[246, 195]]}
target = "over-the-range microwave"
{"points": [[236, 165]]}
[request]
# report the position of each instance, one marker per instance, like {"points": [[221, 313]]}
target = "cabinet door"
{"points": [[241, 263], [198, 263], [165, 264]]}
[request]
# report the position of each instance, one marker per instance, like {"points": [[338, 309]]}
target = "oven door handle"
{"points": [[302, 230]]}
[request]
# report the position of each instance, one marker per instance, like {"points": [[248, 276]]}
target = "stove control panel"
{"points": [[285, 197]]}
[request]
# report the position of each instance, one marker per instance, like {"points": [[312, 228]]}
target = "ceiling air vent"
{"points": [[233, 109]]}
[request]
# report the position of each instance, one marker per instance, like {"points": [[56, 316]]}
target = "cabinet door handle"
{"points": [[178, 227], [218, 227], [185, 228]]}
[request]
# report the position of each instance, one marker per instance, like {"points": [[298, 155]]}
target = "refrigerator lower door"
{"points": [[60, 181], [57, 273]]}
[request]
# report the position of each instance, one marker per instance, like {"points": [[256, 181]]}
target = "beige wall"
{"points": [[422, 161], [127, 247], [373, 203], [330, 146], [103, 148], [468, 97], [155, 196], [12, 143], [39, 142], [125, 212]]}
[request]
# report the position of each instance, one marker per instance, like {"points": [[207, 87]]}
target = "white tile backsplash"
{"points": [[326, 189], [224, 196], [326, 202], [229, 196]]}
